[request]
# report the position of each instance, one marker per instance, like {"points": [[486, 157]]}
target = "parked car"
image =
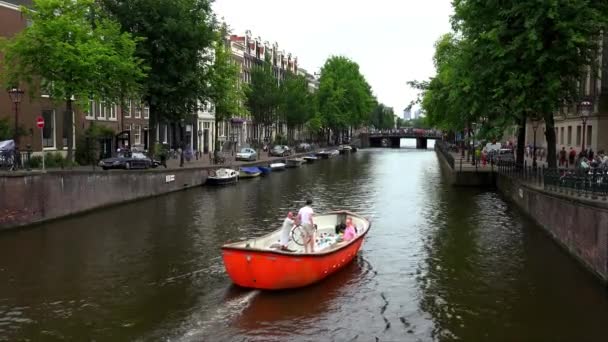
{"points": [[279, 151], [505, 155], [127, 161], [288, 149], [304, 147], [247, 154]]}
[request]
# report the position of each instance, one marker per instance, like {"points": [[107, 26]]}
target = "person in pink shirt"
{"points": [[349, 232]]}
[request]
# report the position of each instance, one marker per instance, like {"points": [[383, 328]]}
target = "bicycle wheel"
{"points": [[299, 236]]}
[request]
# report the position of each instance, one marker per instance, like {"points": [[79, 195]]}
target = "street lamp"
{"points": [[584, 109], [16, 96], [535, 124], [473, 135]]}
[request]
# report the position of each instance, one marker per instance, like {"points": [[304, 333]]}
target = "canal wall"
{"points": [[467, 176], [580, 226], [29, 198]]}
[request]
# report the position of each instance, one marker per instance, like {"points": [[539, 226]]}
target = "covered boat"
{"points": [[295, 162], [222, 176], [277, 166], [261, 263], [249, 172], [265, 169]]}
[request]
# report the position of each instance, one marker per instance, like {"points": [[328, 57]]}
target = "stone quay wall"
{"points": [[580, 226], [35, 197]]}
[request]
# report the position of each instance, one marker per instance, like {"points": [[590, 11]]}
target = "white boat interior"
{"points": [[277, 165], [326, 237], [223, 173]]}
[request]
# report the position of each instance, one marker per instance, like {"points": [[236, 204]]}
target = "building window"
{"points": [[561, 135], [111, 110], [101, 110], [569, 135], [48, 132], [578, 136], [138, 111], [90, 114], [128, 109], [137, 134], [146, 112], [589, 134]]}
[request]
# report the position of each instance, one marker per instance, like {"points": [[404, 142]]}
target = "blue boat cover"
{"points": [[250, 169], [265, 169]]}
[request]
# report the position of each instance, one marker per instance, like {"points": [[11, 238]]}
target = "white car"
{"points": [[247, 154]]}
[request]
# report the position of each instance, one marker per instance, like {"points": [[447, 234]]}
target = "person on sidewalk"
{"points": [[572, 156], [562, 157]]}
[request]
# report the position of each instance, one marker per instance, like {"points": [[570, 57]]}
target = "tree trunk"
{"points": [[551, 143], [152, 123], [70, 128], [521, 141]]}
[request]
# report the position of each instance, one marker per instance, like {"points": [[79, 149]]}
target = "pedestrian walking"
{"points": [[562, 157]]}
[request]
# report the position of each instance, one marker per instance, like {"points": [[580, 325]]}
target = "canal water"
{"points": [[439, 264]]}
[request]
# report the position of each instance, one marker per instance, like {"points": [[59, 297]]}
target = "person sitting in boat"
{"points": [[350, 232], [288, 224], [305, 216]]}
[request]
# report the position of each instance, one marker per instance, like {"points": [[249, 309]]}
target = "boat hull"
{"points": [[244, 175], [270, 270], [323, 155], [221, 181]]}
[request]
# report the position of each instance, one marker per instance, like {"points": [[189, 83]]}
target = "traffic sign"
{"points": [[40, 122]]}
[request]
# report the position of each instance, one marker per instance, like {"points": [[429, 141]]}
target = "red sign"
{"points": [[40, 122]]}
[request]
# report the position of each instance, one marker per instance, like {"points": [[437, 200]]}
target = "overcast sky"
{"points": [[392, 40]]}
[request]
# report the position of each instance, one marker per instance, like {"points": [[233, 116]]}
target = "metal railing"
{"points": [[443, 148], [583, 183]]}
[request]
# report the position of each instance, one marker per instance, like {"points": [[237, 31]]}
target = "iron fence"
{"points": [[584, 183]]}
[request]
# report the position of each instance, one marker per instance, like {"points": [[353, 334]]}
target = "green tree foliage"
{"points": [[224, 88], [77, 53], [296, 106], [176, 34], [344, 97], [6, 132], [263, 95], [382, 117], [509, 61]]}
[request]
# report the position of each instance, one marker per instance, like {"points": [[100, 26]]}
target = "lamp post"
{"points": [[473, 135], [535, 123], [584, 109], [16, 95]]}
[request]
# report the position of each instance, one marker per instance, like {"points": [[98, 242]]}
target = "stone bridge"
{"points": [[392, 138]]}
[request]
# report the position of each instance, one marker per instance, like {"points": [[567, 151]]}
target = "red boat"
{"points": [[259, 263]]}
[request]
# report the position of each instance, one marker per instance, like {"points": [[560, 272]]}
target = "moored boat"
{"points": [[344, 149], [222, 176], [333, 153], [258, 263], [295, 162], [277, 166], [310, 159], [249, 172], [323, 154], [265, 170]]}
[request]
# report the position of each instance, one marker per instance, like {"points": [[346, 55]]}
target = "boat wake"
{"points": [[223, 314]]}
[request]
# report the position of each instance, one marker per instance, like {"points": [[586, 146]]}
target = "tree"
{"points": [[382, 117], [263, 97], [78, 54], [224, 88], [344, 97], [296, 102], [5, 130], [176, 34], [537, 53]]}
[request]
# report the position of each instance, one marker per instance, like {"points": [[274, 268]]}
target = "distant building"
{"points": [[417, 113], [407, 114]]}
